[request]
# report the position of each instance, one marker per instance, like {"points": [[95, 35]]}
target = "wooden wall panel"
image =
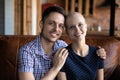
{"points": [[59, 2], [23, 16], [39, 13], [18, 24]]}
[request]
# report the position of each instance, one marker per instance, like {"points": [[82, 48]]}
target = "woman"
{"points": [[82, 62]]}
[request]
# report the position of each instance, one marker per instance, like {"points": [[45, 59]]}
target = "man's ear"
{"points": [[41, 25]]}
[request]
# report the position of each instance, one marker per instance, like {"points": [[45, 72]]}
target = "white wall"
{"points": [[43, 1], [34, 16], [9, 17]]}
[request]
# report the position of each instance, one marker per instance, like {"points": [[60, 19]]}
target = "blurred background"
{"points": [[21, 17]]}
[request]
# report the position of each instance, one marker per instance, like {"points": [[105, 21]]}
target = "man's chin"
{"points": [[53, 40]]}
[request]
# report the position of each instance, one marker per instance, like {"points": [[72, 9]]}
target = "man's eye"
{"points": [[61, 26], [71, 27]]}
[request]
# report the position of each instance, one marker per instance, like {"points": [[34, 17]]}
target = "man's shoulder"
{"points": [[61, 43], [31, 44]]}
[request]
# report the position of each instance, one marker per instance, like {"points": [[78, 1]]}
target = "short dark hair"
{"points": [[53, 9]]}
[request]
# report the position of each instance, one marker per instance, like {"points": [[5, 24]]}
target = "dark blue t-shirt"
{"points": [[82, 68]]}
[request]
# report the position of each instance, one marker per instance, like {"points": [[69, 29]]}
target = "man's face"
{"points": [[53, 26], [76, 27]]}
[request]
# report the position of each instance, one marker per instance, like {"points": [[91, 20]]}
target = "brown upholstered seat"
{"points": [[9, 46]]}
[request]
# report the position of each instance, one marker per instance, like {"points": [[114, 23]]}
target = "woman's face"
{"points": [[76, 27]]}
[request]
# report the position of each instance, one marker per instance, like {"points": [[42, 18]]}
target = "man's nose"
{"points": [[57, 27]]}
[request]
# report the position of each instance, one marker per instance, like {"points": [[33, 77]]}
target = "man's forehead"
{"points": [[55, 20]]}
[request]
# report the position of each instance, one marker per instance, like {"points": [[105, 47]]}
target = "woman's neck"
{"points": [[80, 48]]}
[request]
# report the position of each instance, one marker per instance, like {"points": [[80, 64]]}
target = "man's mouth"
{"points": [[54, 34]]}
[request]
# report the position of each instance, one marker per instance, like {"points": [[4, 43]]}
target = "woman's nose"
{"points": [[77, 29]]}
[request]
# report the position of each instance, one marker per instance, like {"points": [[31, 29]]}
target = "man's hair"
{"points": [[52, 9]]}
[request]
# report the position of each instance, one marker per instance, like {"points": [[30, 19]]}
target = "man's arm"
{"points": [[58, 62], [24, 58], [29, 76], [52, 73], [26, 76], [61, 76]]}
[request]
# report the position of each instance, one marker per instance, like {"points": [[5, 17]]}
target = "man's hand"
{"points": [[101, 53], [60, 58], [58, 61]]}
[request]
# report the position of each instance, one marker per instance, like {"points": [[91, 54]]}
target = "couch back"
{"points": [[9, 46]]}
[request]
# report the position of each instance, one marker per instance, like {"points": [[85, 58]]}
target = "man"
{"points": [[42, 58]]}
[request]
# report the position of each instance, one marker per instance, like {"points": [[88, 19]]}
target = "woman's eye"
{"points": [[80, 25]]}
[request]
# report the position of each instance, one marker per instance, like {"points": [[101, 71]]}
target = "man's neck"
{"points": [[47, 46]]}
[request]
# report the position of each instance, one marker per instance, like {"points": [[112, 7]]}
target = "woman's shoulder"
{"points": [[93, 47]]}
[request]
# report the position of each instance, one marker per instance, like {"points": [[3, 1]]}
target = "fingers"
{"points": [[60, 58], [101, 53], [103, 57], [62, 52], [99, 47]]}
